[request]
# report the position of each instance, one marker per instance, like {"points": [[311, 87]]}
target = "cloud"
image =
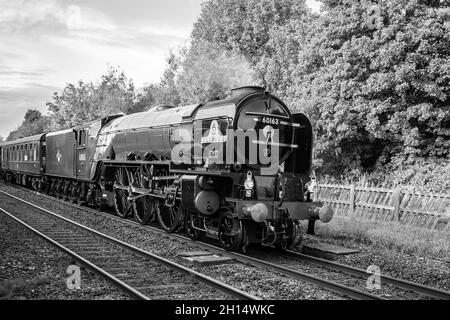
{"points": [[45, 44], [32, 16], [15, 102], [164, 30]]}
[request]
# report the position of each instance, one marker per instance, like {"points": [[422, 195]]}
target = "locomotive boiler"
{"points": [[235, 169]]}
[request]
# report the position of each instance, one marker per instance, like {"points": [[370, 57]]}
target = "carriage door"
{"points": [[81, 170], [7, 159]]}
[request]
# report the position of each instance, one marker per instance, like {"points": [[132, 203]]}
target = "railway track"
{"points": [[141, 274], [399, 283], [287, 271]]}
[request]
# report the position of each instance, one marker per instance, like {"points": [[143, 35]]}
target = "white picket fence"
{"points": [[428, 210]]}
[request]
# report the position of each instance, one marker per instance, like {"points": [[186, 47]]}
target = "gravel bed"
{"points": [[32, 269], [395, 263], [171, 284], [386, 291], [258, 282]]}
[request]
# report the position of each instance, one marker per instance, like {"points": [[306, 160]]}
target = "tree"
{"points": [[166, 91], [376, 95], [375, 87], [227, 42], [283, 55], [78, 104], [75, 105], [144, 100], [34, 123], [115, 93], [244, 25]]}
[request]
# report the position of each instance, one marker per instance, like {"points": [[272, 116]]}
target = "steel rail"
{"points": [[223, 287], [404, 284], [106, 275], [295, 274]]}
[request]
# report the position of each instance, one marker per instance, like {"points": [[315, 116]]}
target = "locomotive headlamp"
{"points": [[324, 214], [259, 212]]}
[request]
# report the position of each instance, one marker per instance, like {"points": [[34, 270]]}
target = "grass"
{"points": [[409, 239]]}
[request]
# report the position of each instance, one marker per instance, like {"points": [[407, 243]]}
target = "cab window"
{"points": [[81, 138]]}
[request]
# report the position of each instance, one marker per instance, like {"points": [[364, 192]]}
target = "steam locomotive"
{"points": [[235, 169]]}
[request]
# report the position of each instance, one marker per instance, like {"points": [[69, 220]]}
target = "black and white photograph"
{"points": [[225, 158]]}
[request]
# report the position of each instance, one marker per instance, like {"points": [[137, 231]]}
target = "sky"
{"points": [[45, 44]]}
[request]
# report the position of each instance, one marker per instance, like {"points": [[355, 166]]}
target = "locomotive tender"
{"points": [[236, 168]]}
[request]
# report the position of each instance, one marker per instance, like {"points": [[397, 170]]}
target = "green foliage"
{"points": [[378, 97], [244, 26], [84, 102], [144, 99], [166, 92], [34, 123], [115, 93], [378, 94], [372, 93], [227, 43]]}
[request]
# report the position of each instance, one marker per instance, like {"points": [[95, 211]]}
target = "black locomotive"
{"points": [[235, 168]]}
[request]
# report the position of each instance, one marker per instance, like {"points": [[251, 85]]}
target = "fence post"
{"points": [[352, 200], [396, 200]]}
